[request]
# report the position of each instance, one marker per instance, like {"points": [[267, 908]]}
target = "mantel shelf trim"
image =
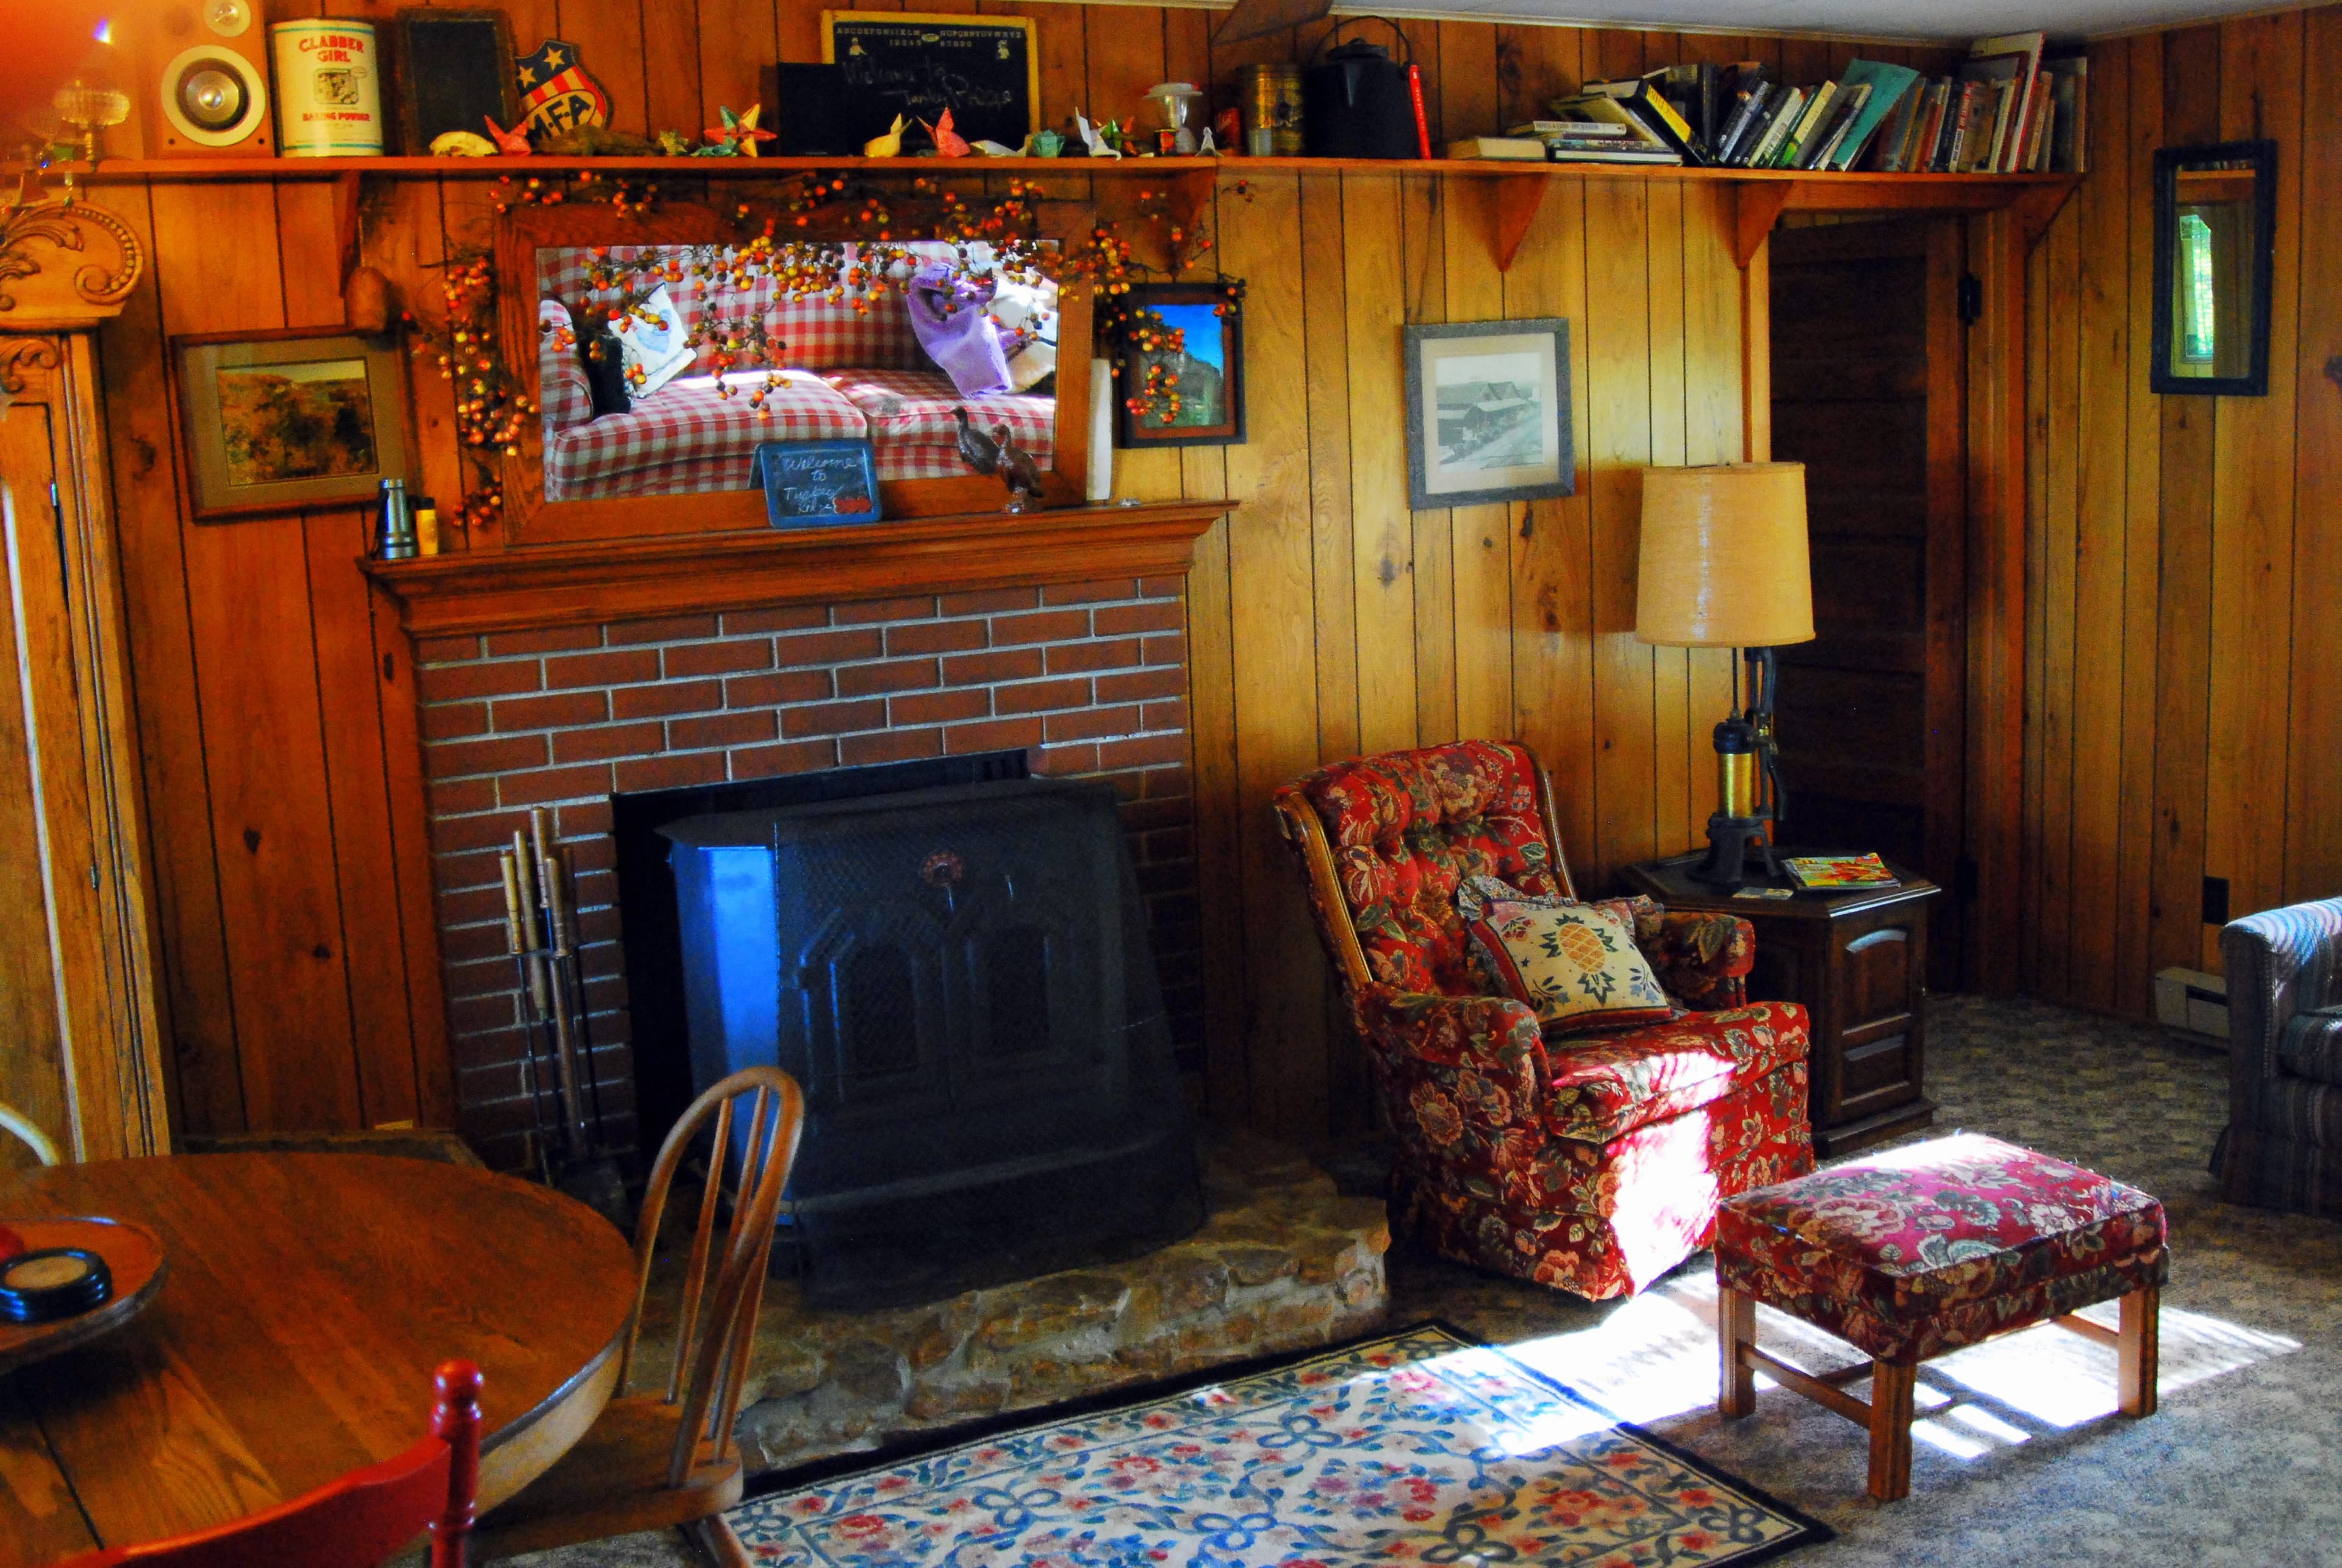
{"points": [[528, 587]]}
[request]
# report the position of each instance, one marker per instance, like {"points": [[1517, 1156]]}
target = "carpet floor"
{"points": [[2019, 1456]]}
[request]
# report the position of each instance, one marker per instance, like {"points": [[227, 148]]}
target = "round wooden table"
{"points": [[310, 1297]]}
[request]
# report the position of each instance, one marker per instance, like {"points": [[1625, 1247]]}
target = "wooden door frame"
{"points": [[1997, 245]]}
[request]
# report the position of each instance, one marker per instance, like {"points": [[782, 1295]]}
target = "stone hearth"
{"points": [[1283, 1263]]}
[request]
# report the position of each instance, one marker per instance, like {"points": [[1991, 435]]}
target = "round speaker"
{"points": [[214, 96]]}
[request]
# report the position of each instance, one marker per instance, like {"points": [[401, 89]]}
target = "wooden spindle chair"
{"points": [[664, 1461], [357, 1521]]}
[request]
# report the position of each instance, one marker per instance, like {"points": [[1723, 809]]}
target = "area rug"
{"points": [[1420, 1446]]}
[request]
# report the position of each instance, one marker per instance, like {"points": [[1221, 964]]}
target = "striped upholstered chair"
{"points": [[2283, 1148]]}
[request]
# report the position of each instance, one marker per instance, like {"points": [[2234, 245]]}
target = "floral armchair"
{"points": [[1595, 1163]]}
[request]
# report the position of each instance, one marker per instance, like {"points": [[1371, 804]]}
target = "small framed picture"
{"points": [[1487, 413], [1181, 380], [276, 421], [816, 484]]}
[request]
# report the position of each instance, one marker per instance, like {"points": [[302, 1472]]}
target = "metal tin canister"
{"points": [[328, 89], [1269, 99]]}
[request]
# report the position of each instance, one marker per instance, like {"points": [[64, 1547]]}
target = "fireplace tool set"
{"points": [[564, 1144]]}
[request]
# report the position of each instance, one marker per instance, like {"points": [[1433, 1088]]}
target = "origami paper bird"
{"points": [[949, 142], [1095, 143], [512, 143], [889, 145]]}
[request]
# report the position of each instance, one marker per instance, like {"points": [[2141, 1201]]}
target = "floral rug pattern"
{"points": [[1417, 1448]]}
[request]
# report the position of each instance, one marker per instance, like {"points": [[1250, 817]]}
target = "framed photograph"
{"points": [[1183, 364], [817, 484], [276, 421], [986, 70], [453, 70], [1487, 413]]}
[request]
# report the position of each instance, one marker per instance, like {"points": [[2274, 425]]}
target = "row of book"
{"points": [[2015, 106]]}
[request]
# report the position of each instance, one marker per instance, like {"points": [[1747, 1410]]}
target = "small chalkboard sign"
{"points": [[816, 484], [455, 73], [984, 69]]}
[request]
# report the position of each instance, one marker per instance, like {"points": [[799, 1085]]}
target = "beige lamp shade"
{"points": [[1724, 558]]}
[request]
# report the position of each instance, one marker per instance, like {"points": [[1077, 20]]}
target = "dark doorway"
{"points": [[1869, 377]]}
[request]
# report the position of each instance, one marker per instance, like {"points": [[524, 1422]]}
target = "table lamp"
{"points": [[1724, 565]]}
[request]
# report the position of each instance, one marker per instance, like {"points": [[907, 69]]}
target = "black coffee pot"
{"points": [[1359, 103]]}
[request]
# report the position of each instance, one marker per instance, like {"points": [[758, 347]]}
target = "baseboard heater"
{"points": [[2191, 1000]]}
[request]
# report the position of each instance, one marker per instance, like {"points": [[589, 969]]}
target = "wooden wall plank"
{"points": [[1552, 576], [2100, 218], [733, 39], [1325, 304], [1618, 400], [1478, 536], [1382, 532], [609, 38], [2252, 509], [2313, 866], [2191, 114], [672, 58], [199, 1015], [271, 827], [1469, 101], [2060, 433], [2141, 61], [1271, 573], [1425, 226]]}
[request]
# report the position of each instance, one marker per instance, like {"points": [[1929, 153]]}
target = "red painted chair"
{"points": [[360, 1520], [1594, 1163]]}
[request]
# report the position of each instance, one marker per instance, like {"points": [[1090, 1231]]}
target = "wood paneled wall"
{"points": [[1326, 618], [2184, 698]]}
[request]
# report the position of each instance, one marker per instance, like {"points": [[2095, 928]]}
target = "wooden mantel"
{"points": [[565, 585]]}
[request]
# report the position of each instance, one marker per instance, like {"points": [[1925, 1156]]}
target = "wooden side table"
{"points": [[1858, 963]]}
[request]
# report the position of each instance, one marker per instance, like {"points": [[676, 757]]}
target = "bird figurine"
{"points": [[949, 143], [1001, 457], [512, 143], [1021, 471], [889, 145]]}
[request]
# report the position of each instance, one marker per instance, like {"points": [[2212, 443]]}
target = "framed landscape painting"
{"points": [[1487, 413], [276, 421]]}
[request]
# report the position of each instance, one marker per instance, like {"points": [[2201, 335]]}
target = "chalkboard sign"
{"points": [[984, 69], [816, 484], [454, 71]]}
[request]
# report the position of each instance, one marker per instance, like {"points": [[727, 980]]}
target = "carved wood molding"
{"points": [[569, 585], [44, 279], [21, 361]]}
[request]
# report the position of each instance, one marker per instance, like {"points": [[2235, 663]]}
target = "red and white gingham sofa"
{"points": [[847, 374]]}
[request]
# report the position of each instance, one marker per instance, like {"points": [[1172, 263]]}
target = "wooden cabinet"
{"points": [[1858, 963], [79, 1048]]}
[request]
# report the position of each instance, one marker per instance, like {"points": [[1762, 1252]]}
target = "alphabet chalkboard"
{"points": [[984, 69], [454, 71]]}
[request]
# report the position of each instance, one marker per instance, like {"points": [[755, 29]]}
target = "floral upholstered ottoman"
{"points": [[1922, 1250]]}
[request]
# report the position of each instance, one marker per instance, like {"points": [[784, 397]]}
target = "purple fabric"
{"points": [[949, 320]]}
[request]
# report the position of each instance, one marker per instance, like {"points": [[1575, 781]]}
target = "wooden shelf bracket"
{"points": [[1758, 204], [1513, 209]]}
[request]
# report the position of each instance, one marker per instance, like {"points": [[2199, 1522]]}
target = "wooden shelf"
{"points": [[571, 585], [1761, 194]]}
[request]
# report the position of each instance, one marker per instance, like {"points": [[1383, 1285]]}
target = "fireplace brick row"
{"points": [[1089, 678]]}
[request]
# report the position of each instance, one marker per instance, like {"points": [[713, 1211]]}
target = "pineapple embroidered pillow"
{"points": [[1575, 964]]}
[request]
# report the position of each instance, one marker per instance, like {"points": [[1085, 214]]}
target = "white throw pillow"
{"points": [[656, 346], [1027, 315]]}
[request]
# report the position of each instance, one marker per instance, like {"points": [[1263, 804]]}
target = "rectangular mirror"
{"points": [[726, 346], [2214, 255]]}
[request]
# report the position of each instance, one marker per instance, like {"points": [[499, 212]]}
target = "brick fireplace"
{"points": [[1088, 676]]}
